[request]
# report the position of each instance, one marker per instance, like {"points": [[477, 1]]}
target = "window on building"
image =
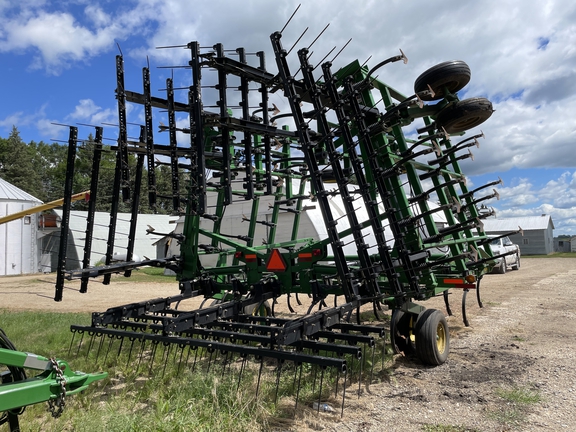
{"points": [[525, 241], [561, 243]]}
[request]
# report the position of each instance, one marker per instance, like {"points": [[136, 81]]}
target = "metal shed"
{"points": [[538, 235], [144, 242], [18, 248], [565, 244]]}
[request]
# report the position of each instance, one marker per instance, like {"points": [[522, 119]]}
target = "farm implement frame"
{"points": [[394, 221]]}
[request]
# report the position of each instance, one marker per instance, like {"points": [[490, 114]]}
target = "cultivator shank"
{"points": [[351, 208]]}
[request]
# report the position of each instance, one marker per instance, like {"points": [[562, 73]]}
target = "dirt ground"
{"points": [[521, 340]]}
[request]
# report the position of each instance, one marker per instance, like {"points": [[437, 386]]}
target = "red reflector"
{"points": [[305, 257], [454, 281], [276, 263], [238, 255], [317, 252], [250, 258]]}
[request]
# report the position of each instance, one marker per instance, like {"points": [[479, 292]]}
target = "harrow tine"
{"points": [[176, 354], [314, 381], [372, 369], [111, 337], [132, 340], [165, 357], [90, 344], [121, 345], [224, 363], [321, 384], [187, 355], [361, 362], [337, 382], [383, 352], [344, 393], [278, 372], [195, 357], [259, 375], [71, 342], [80, 343], [99, 348], [153, 356], [142, 346], [241, 370], [211, 351], [298, 389]]}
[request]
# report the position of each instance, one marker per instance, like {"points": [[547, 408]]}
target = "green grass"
{"points": [[517, 405], [519, 395], [167, 400], [164, 395]]}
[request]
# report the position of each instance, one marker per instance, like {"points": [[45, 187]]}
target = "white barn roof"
{"points": [[9, 192], [527, 223]]}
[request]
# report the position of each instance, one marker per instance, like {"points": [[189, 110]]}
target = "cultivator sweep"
{"points": [[338, 198]]}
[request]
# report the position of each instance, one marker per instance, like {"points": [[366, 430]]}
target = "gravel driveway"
{"points": [[512, 369]]}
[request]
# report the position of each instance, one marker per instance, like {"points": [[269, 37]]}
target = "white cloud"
{"points": [[556, 198], [59, 39]]}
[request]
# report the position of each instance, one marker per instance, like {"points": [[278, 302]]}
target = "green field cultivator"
{"points": [[319, 188]]}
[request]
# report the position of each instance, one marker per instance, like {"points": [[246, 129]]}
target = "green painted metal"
{"points": [[43, 387]]}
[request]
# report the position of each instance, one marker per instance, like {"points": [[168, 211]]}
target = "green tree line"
{"points": [[39, 169]]}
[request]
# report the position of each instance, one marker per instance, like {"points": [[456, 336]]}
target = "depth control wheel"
{"points": [[464, 115], [263, 309], [450, 75], [432, 337], [401, 332]]}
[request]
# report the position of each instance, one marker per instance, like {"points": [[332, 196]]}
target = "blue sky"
{"points": [[57, 65]]}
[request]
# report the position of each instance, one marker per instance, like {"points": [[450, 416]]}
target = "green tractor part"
{"points": [[343, 192], [53, 384]]}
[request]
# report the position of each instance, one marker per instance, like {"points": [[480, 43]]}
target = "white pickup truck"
{"points": [[500, 245]]}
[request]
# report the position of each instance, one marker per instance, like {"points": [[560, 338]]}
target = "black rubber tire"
{"points": [[432, 337], [516, 265], [452, 75], [264, 310], [501, 269], [401, 326], [463, 115]]}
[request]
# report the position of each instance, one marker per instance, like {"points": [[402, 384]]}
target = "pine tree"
{"points": [[17, 166]]}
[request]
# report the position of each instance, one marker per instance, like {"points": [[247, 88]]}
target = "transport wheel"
{"points": [[516, 265], [451, 75], [432, 337], [264, 309], [464, 115], [401, 332]]}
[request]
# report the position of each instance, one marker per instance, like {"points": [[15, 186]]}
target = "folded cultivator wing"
{"points": [[338, 198]]}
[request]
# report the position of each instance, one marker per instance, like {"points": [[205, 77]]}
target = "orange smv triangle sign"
{"points": [[276, 263]]}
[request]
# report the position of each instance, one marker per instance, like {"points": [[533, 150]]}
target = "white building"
{"points": [[19, 253], [538, 238], [144, 244]]}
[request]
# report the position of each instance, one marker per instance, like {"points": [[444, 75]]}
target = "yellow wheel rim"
{"points": [[440, 338]]}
